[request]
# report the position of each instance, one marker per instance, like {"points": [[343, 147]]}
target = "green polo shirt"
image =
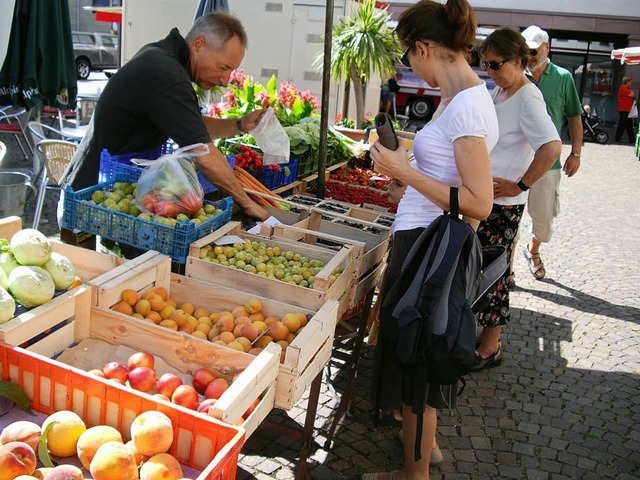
{"points": [[560, 95]]}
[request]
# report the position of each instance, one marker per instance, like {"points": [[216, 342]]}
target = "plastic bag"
{"points": [[169, 185], [272, 139]]}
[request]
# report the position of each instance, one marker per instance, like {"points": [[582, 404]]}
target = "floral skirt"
{"points": [[501, 228]]}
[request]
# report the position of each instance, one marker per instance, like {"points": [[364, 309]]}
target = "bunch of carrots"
{"points": [[248, 182]]}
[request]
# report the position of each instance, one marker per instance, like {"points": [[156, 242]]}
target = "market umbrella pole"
{"points": [[324, 104]]}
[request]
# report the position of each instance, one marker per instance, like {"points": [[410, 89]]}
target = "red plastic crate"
{"points": [[200, 442]]}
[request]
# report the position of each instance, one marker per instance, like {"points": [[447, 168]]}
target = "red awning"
{"points": [[106, 14]]}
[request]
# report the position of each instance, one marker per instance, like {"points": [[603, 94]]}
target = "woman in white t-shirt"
{"points": [[451, 150], [527, 147]]}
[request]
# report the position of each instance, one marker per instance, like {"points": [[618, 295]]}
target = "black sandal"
{"points": [[493, 360]]}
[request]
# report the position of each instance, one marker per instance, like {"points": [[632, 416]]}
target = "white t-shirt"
{"points": [[470, 113], [525, 126]]}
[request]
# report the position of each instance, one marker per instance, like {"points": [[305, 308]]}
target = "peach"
{"points": [[226, 337], [152, 432], [139, 457], [171, 302], [113, 461], [63, 435], [39, 473], [170, 324], [252, 407], [187, 308], [253, 305], [140, 359], [303, 319], [291, 337], [249, 332], [142, 379], [162, 292], [123, 307], [161, 467], [257, 317], [16, 458], [200, 312], [22, 431], [242, 321], [154, 317], [205, 320], [179, 316], [166, 311], [130, 296], [115, 370], [203, 377], [246, 344], [236, 346], [240, 312], [225, 323], [64, 472], [161, 396], [186, 328], [255, 351], [92, 439], [204, 328], [259, 326], [186, 396], [216, 388], [96, 372], [271, 320], [292, 322], [263, 341], [279, 331], [167, 384], [156, 302], [143, 307], [206, 404], [199, 334]]}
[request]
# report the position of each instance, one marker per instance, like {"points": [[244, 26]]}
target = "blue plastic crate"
{"points": [[110, 165], [172, 241], [272, 179]]}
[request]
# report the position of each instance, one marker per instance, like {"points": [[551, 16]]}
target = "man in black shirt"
{"points": [[151, 99]]}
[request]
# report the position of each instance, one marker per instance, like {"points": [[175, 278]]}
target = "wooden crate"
{"points": [[311, 298], [304, 358], [92, 267], [200, 442]]}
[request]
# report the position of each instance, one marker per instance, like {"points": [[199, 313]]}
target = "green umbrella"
{"points": [[40, 66]]}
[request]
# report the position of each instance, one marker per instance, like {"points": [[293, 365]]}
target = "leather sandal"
{"points": [[538, 271], [493, 360]]}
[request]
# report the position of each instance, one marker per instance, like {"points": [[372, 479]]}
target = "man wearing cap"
{"points": [[560, 94]]}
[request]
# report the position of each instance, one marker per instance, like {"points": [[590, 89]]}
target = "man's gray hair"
{"points": [[217, 28], [626, 79]]}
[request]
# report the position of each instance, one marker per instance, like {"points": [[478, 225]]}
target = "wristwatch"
{"points": [[239, 124], [573, 154], [521, 185]]}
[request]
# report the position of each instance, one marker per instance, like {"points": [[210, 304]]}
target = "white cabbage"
{"points": [[62, 271], [30, 247], [31, 286]]}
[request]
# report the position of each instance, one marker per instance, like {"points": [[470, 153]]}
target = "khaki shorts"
{"points": [[544, 204]]}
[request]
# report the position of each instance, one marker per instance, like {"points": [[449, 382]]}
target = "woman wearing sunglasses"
{"points": [[527, 147], [451, 150]]}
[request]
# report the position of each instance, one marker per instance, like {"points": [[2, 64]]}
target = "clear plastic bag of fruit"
{"points": [[272, 139], [169, 185]]}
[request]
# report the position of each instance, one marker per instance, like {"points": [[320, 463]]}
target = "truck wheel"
{"points": [[83, 68], [421, 108], [602, 137]]}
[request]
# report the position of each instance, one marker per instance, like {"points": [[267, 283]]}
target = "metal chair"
{"points": [[11, 123], [56, 155]]}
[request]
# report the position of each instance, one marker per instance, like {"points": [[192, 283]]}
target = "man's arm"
{"points": [[228, 127], [216, 169], [572, 163]]}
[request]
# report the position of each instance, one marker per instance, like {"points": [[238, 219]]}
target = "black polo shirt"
{"points": [[149, 100]]}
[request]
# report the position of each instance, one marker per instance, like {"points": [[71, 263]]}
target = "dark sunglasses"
{"points": [[493, 65], [404, 59], [533, 52]]}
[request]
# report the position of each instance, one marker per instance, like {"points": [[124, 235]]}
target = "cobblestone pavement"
{"points": [[565, 403]]}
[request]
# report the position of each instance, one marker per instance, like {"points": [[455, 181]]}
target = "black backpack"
{"points": [[443, 281]]}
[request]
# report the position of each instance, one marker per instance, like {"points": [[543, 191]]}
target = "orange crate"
{"points": [[200, 442]]}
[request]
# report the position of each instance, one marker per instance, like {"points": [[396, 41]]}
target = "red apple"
{"points": [[16, 458], [204, 406], [186, 396], [140, 359], [167, 384], [216, 388], [142, 378], [202, 378], [115, 370]]}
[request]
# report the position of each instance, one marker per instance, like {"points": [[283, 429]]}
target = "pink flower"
{"points": [[214, 110], [264, 99], [229, 99]]}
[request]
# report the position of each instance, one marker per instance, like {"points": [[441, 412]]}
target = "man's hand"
{"points": [[505, 188], [256, 211], [251, 119], [571, 165]]}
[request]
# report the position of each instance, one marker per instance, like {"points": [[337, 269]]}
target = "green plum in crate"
{"points": [[108, 210]]}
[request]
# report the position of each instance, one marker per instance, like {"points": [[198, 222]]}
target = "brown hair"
{"points": [[507, 43], [452, 24], [217, 28]]}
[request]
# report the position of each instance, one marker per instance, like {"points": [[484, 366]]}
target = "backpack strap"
{"points": [[454, 205]]}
